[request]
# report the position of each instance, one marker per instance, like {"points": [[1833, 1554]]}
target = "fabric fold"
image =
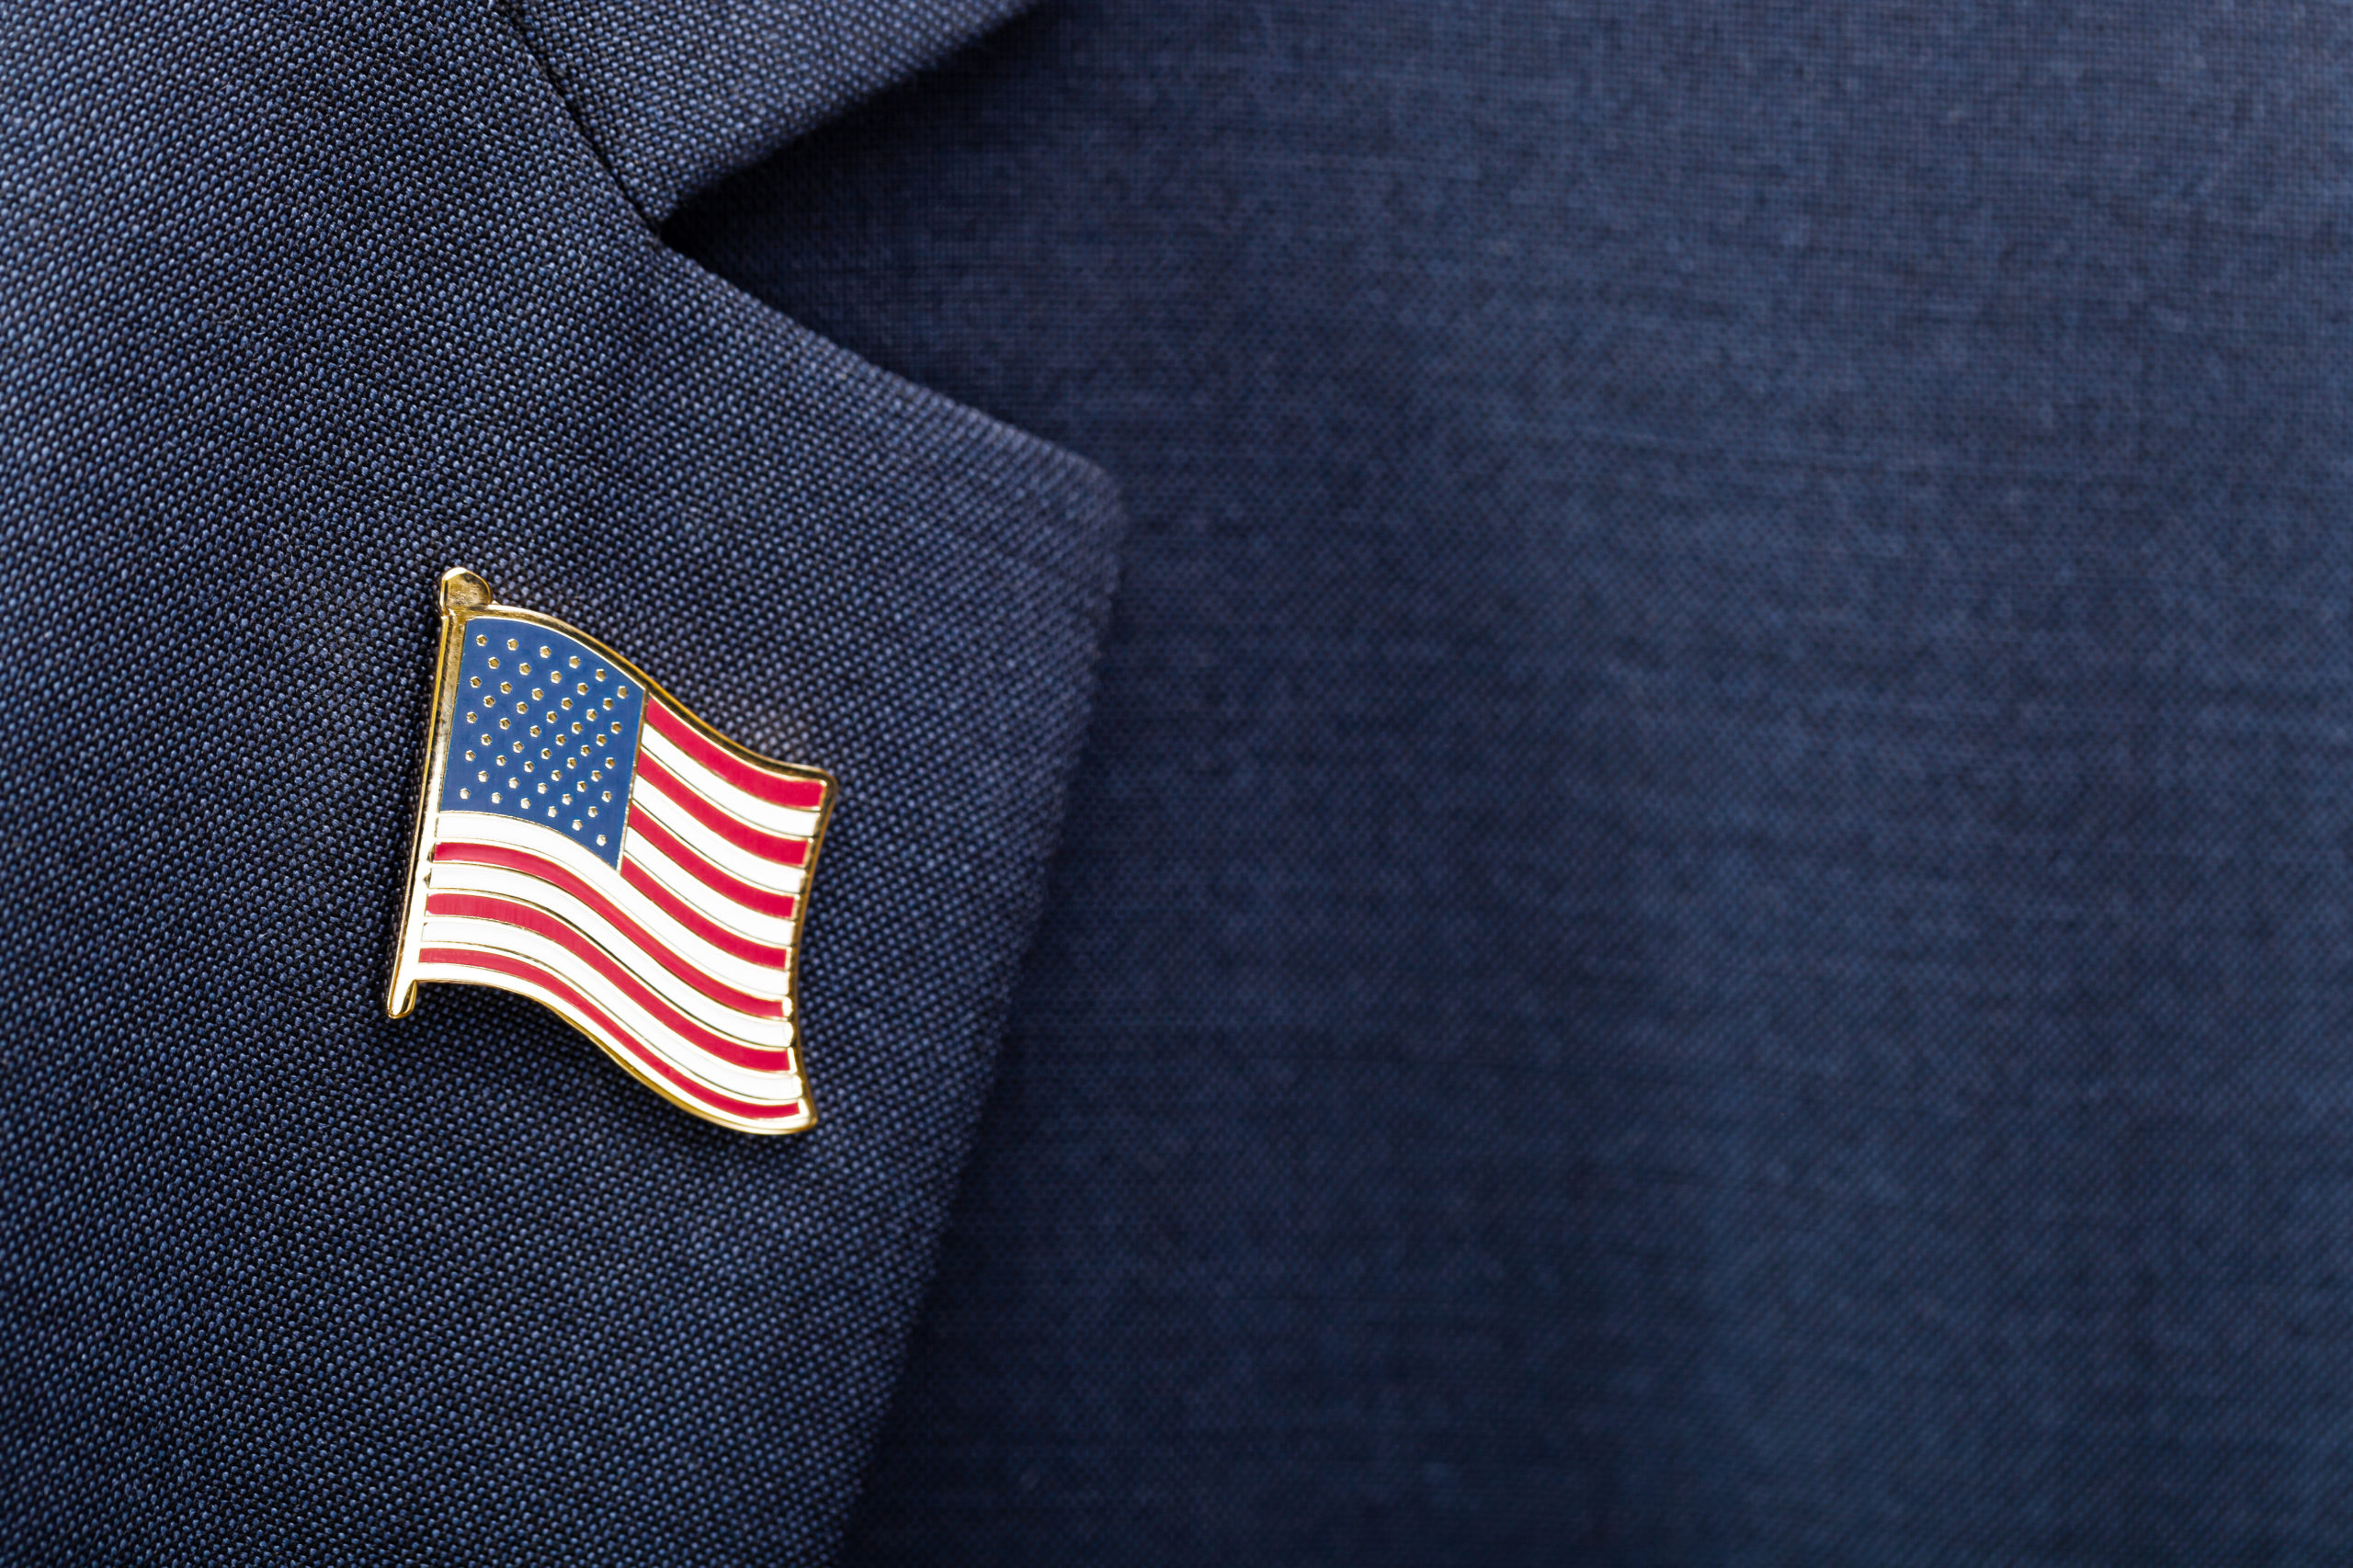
{"points": [[675, 94]]}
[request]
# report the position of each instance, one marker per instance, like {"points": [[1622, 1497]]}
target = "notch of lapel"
{"points": [[675, 94]]}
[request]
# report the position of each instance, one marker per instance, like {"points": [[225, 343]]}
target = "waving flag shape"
{"points": [[585, 841]]}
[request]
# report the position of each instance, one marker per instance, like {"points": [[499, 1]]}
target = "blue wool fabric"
{"points": [[672, 94], [300, 306], [1709, 917]]}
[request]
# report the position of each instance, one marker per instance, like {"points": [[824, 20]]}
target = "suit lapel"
{"points": [[305, 311], [676, 93]]}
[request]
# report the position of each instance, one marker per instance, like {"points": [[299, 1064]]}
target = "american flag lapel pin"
{"points": [[583, 840]]}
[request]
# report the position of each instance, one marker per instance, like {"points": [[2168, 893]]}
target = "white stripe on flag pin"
{"points": [[583, 840]]}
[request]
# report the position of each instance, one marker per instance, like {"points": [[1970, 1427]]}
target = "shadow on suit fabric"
{"points": [[1708, 918]]}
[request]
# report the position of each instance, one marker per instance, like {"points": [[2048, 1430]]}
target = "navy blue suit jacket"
{"points": [[1651, 862]]}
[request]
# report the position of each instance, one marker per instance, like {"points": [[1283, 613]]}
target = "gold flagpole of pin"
{"points": [[464, 594]]}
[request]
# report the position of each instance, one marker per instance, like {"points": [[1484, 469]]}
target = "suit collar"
{"points": [[675, 94]]}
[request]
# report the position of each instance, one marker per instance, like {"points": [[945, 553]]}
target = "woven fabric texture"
{"points": [[675, 93], [1709, 917], [298, 307]]}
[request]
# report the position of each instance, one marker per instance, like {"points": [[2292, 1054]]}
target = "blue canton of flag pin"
{"points": [[583, 840]]}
